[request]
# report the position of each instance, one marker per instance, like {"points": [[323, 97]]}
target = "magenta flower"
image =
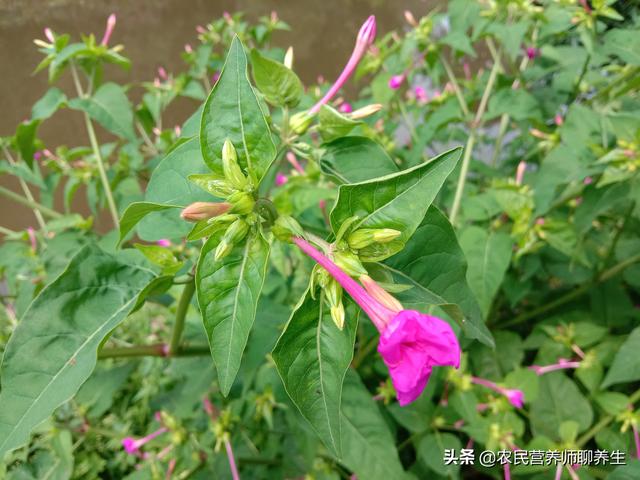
{"points": [[587, 180], [636, 438], [37, 156], [162, 73], [396, 81], [562, 364], [366, 36], [164, 242], [346, 108], [281, 179], [132, 446], [532, 52], [32, 238], [411, 343], [421, 94], [515, 397], [111, 24], [293, 161]]}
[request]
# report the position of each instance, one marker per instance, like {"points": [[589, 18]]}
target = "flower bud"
{"points": [[333, 293], [379, 293], [366, 236], [396, 81], [288, 58], [366, 111], [232, 171], [203, 210], [300, 122], [350, 263], [242, 202], [234, 235], [213, 184], [285, 227]]}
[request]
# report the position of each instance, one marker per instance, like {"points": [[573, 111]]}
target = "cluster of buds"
{"points": [[235, 213], [365, 237]]}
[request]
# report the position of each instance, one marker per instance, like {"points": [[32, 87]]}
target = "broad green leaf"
{"points": [[110, 107], [279, 84], [333, 124], [98, 393], [488, 255], [630, 471], [160, 256], [398, 201], [63, 56], [312, 357], [136, 212], [431, 452], [433, 264], [559, 400], [518, 104], [25, 140], [624, 44], [613, 403], [232, 111], [53, 349], [355, 159], [626, 364], [48, 104], [368, 446], [169, 185], [228, 293]]}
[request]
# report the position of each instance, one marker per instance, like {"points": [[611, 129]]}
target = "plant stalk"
{"points": [[158, 350], [27, 192], [29, 203], [181, 314]]}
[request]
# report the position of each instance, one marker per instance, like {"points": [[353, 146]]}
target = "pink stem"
{"points": [[556, 366], [376, 311], [636, 438], [507, 471], [232, 460], [488, 384]]}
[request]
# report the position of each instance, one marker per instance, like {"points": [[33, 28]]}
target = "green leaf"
{"points": [[624, 44], [355, 159], [431, 451], [228, 293], [160, 256], [398, 201], [25, 140], [136, 212], [432, 262], [232, 111], [333, 124], [559, 400], [368, 445], [312, 357], [48, 104], [169, 185], [53, 349], [518, 104], [110, 107], [489, 255], [279, 84], [626, 364], [613, 403]]}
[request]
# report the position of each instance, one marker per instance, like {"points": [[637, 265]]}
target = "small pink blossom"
{"points": [[558, 120], [177, 130], [345, 108], [540, 221], [162, 73], [215, 77], [522, 167], [132, 446], [188, 48], [515, 397], [411, 343], [421, 94], [587, 180], [366, 36], [293, 161], [48, 33], [201, 30], [532, 52], [37, 156], [164, 242], [396, 81], [281, 179], [111, 24], [562, 364], [31, 233], [129, 444]]}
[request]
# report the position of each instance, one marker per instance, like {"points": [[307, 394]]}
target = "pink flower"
{"points": [[421, 94], [562, 364], [132, 446], [366, 36], [201, 30], [111, 23], [49, 34], [558, 120], [291, 158], [215, 77], [32, 238], [532, 52], [411, 343], [396, 81], [164, 242], [515, 397], [522, 167], [346, 108], [162, 73], [37, 155], [587, 180], [188, 48], [281, 179]]}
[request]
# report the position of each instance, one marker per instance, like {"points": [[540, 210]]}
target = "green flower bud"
{"points": [[285, 227], [223, 249], [234, 235], [242, 203], [337, 315], [232, 171], [349, 263], [366, 236], [333, 294], [212, 184], [300, 122]]}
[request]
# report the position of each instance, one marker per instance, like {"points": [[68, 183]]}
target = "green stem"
{"points": [[7, 231], [158, 350], [603, 423], [46, 211], [181, 314], [407, 120], [27, 192], [455, 208], [95, 146], [454, 83], [578, 292]]}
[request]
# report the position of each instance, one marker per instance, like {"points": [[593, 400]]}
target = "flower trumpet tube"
{"points": [[204, 210], [515, 397], [562, 364], [132, 445], [111, 24], [411, 343], [366, 36]]}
